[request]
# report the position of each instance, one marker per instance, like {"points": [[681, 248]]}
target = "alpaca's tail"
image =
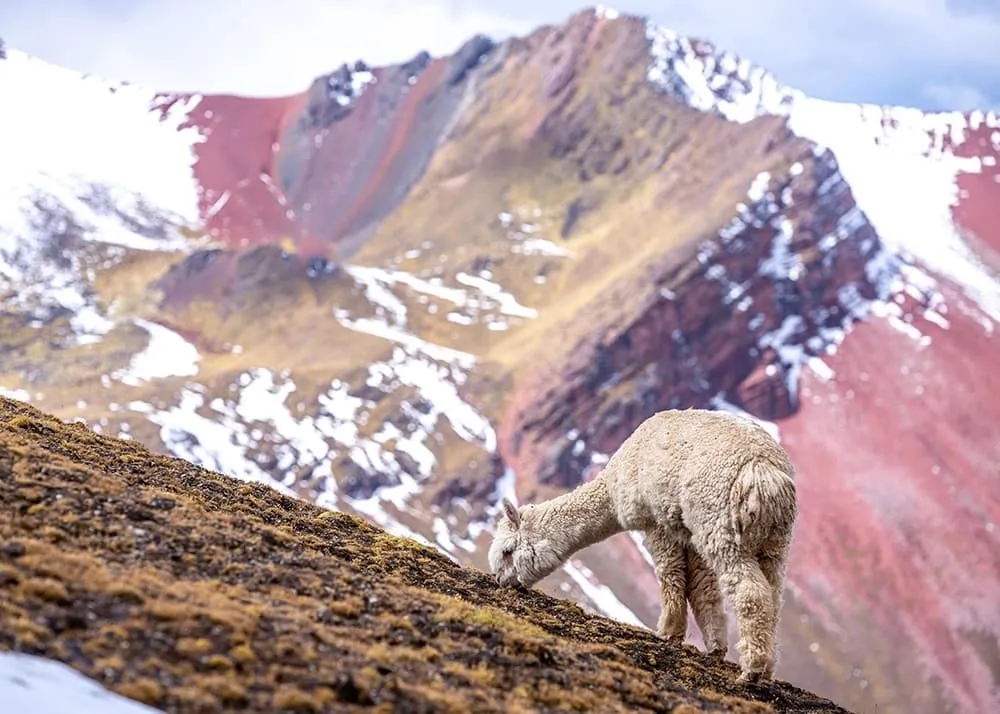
{"points": [[763, 500]]}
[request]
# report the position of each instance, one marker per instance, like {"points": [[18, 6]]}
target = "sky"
{"points": [[932, 54]]}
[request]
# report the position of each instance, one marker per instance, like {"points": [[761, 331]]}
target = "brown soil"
{"points": [[195, 592]]}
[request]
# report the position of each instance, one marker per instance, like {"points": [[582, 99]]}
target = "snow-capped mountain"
{"points": [[410, 290]]}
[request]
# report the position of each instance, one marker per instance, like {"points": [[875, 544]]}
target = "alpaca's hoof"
{"points": [[754, 676], [672, 638]]}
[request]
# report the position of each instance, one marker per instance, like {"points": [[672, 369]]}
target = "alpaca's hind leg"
{"points": [[773, 563], [705, 596], [668, 557], [753, 600]]}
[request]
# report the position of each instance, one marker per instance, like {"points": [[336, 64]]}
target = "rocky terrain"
{"points": [[411, 290], [195, 592]]}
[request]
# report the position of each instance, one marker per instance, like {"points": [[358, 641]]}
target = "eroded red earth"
{"points": [[240, 198], [979, 192], [899, 459]]}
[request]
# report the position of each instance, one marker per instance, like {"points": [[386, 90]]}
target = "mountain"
{"points": [[411, 290], [191, 591]]}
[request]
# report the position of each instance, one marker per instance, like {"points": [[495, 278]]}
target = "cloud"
{"points": [[882, 51], [958, 96], [974, 8]]}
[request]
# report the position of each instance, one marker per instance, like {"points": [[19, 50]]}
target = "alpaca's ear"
{"points": [[511, 510]]}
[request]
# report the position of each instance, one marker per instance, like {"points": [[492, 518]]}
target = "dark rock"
{"points": [[407, 463], [468, 56], [416, 66], [573, 213], [359, 483], [12, 549], [370, 393], [764, 392]]}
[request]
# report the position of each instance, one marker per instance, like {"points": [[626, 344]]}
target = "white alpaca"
{"points": [[716, 497]]}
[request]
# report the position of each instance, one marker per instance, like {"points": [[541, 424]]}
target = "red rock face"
{"points": [[900, 523], [979, 193], [241, 201]]}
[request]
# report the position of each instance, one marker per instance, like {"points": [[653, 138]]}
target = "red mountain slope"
{"points": [[413, 289]]}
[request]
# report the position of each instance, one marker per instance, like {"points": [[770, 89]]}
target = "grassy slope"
{"points": [[196, 592]]}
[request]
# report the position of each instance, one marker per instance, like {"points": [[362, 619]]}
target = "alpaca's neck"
{"points": [[577, 519]]}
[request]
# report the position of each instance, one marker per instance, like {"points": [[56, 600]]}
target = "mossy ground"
{"points": [[195, 592]]}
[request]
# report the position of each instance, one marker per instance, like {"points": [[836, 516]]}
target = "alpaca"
{"points": [[715, 495]]}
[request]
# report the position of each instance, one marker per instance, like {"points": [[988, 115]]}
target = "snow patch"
{"points": [[487, 299], [539, 246], [435, 373], [601, 595], [17, 394], [219, 444], [167, 354], [118, 177], [719, 403], [346, 90], [899, 162], [43, 686], [710, 79], [222, 435], [116, 139], [903, 177]]}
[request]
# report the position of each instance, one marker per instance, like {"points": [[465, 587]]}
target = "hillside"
{"points": [[409, 290], [192, 591]]}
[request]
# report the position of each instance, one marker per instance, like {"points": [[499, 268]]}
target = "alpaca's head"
{"points": [[521, 553]]}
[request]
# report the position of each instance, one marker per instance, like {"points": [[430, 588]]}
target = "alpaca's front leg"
{"points": [[671, 572], [705, 596]]}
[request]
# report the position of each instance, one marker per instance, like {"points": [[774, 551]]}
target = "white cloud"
{"points": [[957, 96]]}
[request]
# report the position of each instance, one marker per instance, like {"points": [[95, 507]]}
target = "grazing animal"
{"points": [[715, 495]]}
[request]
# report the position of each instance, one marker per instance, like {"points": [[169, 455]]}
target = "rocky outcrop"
{"points": [[232, 280], [727, 316]]}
